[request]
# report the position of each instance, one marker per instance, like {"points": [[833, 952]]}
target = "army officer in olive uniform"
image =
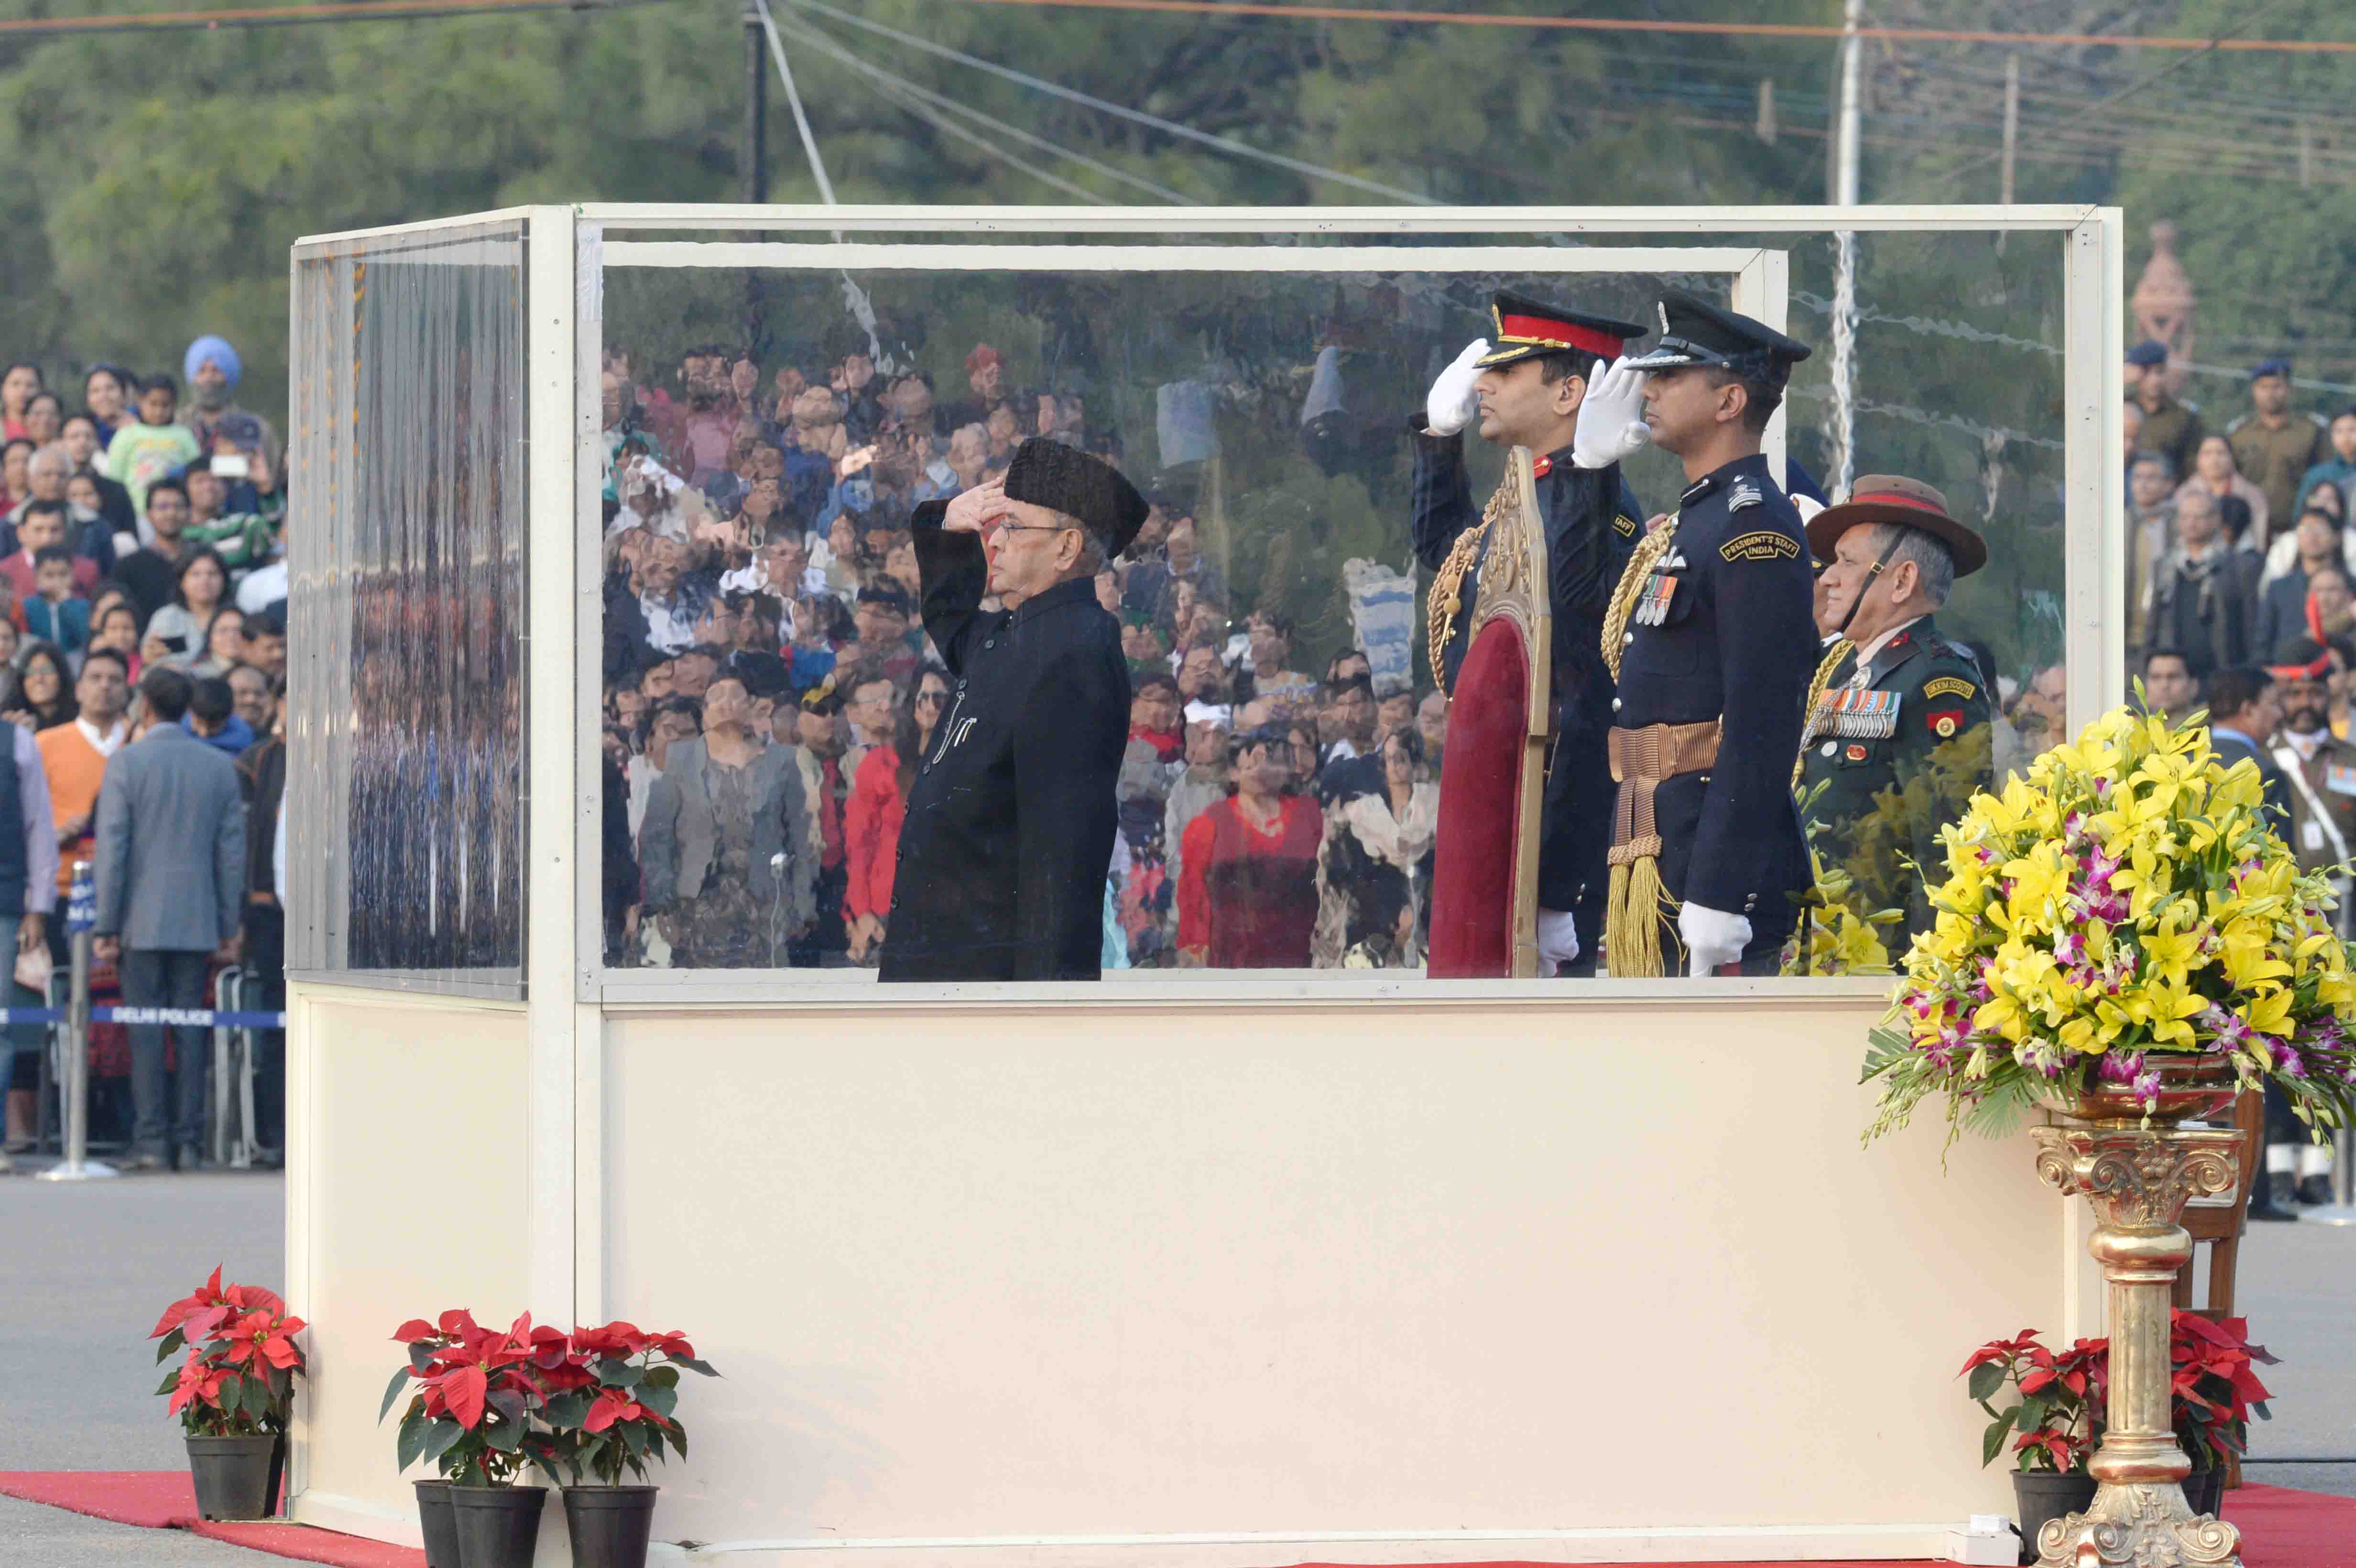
{"points": [[1713, 635], [1009, 821], [1900, 738], [1541, 386]]}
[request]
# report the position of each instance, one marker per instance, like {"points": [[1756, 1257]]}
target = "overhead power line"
{"points": [[294, 15], [2224, 40], [834, 51], [1717, 29], [1135, 116]]}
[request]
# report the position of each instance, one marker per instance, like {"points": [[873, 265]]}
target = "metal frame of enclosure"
{"points": [[473, 1108]]}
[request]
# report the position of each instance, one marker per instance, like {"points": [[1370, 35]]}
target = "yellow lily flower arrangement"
{"points": [[2129, 897]]}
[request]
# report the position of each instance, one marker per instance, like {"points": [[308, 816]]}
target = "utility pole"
{"points": [[755, 159], [2011, 122], [1843, 421], [753, 162]]}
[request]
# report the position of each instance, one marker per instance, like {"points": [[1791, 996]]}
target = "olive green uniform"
{"points": [[1899, 754], [2174, 430], [2276, 460]]}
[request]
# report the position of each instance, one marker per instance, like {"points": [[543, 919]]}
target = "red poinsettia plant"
{"points": [[476, 1391], [2058, 1411], [613, 1400], [2216, 1389], [2062, 1405], [239, 1378]]}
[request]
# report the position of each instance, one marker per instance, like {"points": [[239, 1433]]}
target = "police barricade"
{"points": [[231, 1118], [81, 914]]}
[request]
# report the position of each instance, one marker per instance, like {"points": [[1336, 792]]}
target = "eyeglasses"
{"points": [[934, 698], [1034, 529]]}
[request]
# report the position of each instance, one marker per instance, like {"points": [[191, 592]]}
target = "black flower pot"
{"points": [[499, 1527], [439, 1525], [2040, 1496], [232, 1475], [2204, 1491], [610, 1525]]}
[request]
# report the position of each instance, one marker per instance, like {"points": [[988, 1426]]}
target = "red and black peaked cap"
{"points": [[1527, 327]]}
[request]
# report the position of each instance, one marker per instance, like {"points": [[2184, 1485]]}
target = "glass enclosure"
{"points": [[406, 707], [771, 417]]}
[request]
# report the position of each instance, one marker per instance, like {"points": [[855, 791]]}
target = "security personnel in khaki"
{"points": [[2169, 428], [2320, 767], [1899, 736], [2275, 447]]}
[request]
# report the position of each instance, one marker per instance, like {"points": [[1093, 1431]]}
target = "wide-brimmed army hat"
{"points": [[1894, 498]]}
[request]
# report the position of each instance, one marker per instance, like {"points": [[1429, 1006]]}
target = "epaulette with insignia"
{"points": [[1850, 711], [1744, 494]]}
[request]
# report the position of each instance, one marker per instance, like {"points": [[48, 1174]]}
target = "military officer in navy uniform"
{"points": [[1011, 818], [1899, 737], [1715, 643], [1538, 386]]}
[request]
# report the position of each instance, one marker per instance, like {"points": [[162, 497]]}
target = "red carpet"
{"points": [[2280, 1528], [167, 1499]]}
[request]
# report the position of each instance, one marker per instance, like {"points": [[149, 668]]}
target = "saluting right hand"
{"points": [[969, 511], [1452, 401]]}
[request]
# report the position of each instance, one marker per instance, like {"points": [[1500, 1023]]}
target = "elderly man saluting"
{"points": [[1009, 821]]}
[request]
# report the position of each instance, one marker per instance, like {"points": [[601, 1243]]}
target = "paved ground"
{"points": [[55, 1539], [88, 1268]]}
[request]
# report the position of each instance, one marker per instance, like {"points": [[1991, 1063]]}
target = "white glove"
{"points": [[1558, 939], [1712, 936], [1612, 420], [1453, 402]]}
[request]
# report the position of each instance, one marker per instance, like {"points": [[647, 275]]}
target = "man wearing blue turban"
{"points": [[211, 369]]}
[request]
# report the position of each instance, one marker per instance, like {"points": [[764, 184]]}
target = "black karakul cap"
{"points": [[1049, 473], [1527, 327], [1696, 332]]}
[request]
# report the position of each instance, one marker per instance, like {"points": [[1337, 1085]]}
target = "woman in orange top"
{"points": [[871, 824]]}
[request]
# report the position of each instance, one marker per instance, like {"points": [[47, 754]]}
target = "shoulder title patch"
{"points": [[1626, 525], [1948, 683], [1762, 544]]}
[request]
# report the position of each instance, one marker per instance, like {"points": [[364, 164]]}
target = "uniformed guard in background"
{"points": [[1541, 386], [1010, 820], [1897, 738], [2272, 446], [1712, 640]]}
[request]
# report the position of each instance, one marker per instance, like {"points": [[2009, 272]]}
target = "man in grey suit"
{"points": [[171, 876]]}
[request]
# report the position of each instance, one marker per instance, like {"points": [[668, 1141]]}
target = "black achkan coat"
{"points": [[1010, 823]]}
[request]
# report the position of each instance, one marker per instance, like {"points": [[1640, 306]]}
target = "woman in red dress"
{"points": [[1248, 893], [870, 823]]}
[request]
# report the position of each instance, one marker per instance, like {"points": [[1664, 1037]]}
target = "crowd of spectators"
{"points": [[142, 530], [769, 690]]}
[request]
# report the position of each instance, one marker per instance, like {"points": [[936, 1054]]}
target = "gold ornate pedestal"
{"points": [[2138, 1182]]}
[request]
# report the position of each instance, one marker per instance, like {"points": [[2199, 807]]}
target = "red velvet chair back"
{"points": [[1480, 810], [1492, 777]]}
